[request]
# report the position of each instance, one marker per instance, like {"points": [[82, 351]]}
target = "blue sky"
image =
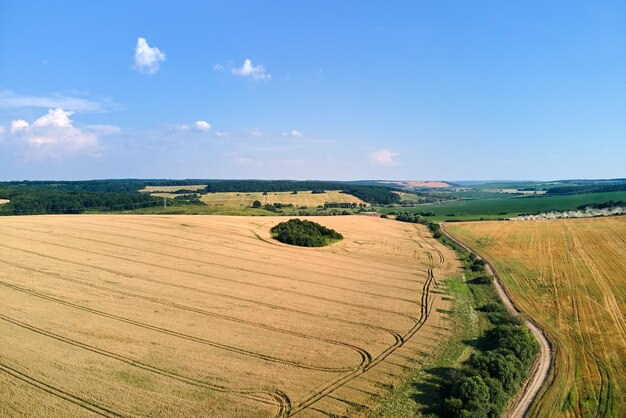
{"points": [[313, 90]]}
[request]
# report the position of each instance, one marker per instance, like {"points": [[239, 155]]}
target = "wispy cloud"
{"points": [[11, 100], [384, 157], [222, 134], [293, 134], [147, 59], [253, 133], [255, 72]]}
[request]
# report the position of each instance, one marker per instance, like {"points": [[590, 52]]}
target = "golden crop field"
{"points": [[569, 276], [3, 201], [169, 189], [306, 198], [122, 315]]}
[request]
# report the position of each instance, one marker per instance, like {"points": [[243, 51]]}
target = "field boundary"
{"points": [[543, 365]]}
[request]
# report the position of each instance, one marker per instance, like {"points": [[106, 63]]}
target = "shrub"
{"points": [[256, 204], [304, 233]]}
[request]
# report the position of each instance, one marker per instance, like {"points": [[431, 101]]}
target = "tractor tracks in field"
{"points": [[230, 245], [394, 334], [268, 398], [544, 364], [181, 335], [59, 393], [363, 354], [425, 309], [195, 273]]}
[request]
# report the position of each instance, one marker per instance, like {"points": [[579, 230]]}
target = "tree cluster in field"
{"points": [[304, 233], [41, 201], [344, 205], [188, 199], [371, 194], [492, 375]]}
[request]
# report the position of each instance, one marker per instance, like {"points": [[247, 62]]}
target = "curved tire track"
{"points": [[59, 393], [180, 334], [333, 385], [364, 355], [269, 398]]}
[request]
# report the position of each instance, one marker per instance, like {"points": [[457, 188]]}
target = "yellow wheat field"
{"points": [[306, 198], [118, 315], [569, 276], [169, 189]]}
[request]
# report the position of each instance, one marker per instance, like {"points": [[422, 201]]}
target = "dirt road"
{"points": [[541, 368]]}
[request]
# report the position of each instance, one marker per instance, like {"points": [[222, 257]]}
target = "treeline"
{"points": [[605, 205], [371, 194], [41, 201], [419, 219], [248, 186], [119, 186], [304, 233], [496, 371], [566, 190], [494, 374]]}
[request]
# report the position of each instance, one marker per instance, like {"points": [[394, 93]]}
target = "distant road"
{"points": [[541, 368]]}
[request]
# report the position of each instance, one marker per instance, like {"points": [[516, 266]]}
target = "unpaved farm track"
{"points": [[541, 368], [210, 314]]}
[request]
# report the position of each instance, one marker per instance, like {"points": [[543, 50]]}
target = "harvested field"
{"points": [[236, 200], [171, 189], [119, 315], [3, 201], [569, 276]]}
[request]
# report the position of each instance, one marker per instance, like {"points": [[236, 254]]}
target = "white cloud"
{"points": [[384, 157], [2, 130], [12, 100], [202, 125], [253, 133], [222, 134], [249, 70], [54, 135], [293, 133], [219, 67], [18, 125], [147, 59]]}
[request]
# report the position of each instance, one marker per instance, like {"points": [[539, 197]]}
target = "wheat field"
{"points": [[122, 315], [569, 276], [306, 198]]}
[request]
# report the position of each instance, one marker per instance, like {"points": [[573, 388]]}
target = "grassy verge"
{"points": [[473, 361]]}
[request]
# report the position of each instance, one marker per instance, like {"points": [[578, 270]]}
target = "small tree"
{"points": [[256, 204]]}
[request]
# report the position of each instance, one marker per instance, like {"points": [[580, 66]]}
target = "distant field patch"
{"points": [[475, 209], [3, 201], [171, 189], [306, 198], [569, 276], [181, 316]]}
